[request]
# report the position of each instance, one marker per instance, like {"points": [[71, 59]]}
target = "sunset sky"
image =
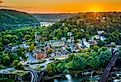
{"points": [[62, 6]]}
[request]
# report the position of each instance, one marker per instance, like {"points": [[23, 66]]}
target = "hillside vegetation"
{"points": [[12, 18], [82, 25], [85, 24]]}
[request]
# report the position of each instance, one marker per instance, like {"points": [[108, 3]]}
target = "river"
{"points": [[114, 77], [69, 78]]}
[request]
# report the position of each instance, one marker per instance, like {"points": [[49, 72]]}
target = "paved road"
{"points": [[45, 64], [30, 57], [6, 70], [34, 75]]}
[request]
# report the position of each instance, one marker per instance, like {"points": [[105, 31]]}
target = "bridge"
{"points": [[110, 66]]}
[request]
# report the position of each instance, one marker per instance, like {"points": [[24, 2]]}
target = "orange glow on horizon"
{"points": [[64, 6], [95, 8]]}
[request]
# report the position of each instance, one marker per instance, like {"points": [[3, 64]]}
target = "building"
{"points": [[98, 37], [70, 34], [92, 42], [41, 55], [63, 39], [47, 24], [85, 43], [102, 38], [112, 44], [100, 32], [56, 43]]}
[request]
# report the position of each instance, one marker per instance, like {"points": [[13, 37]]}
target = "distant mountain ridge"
{"points": [[13, 18], [52, 17]]}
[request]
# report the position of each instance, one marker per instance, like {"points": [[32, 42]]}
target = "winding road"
{"points": [[34, 75]]}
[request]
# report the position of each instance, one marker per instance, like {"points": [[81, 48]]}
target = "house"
{"points": [[70, 46], [98, 37], [41, 55], [102, 38], [56, 43], [24, 46], [70, 34], [100, 32], [78, 45], [70, 40], [63, 24], [92, 42], [111, 44], [63, 39], [85, 43], [46, 24], [14, 48], [7, 48]]}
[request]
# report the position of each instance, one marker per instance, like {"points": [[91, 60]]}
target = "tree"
{"points": [[14, 64], [17, 64], [58, 33], [55, 38], [13, 56], [103, 49], [93, 60], [60, 67], [77, 63], [31, 47], [6, 60], [49, 69], [5, 41], [104, 56], [101, 43], [95, 48], [27, 37], [50, 51], [20, 51], [66, 29]]}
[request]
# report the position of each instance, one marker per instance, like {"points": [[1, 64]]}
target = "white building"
{"points": [[100, 32], [55, 43]]}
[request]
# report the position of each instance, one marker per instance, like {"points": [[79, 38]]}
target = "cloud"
{"points": [[7, 7], [1, 1]]}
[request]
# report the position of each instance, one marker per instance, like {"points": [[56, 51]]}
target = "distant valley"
{"points": [[11, 19], [52, 17]]}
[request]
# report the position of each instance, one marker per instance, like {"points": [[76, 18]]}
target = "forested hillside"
{"points": [[85, 24], [12, 18]]}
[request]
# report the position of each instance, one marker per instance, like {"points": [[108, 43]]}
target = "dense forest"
{"points": [[13, 19]]}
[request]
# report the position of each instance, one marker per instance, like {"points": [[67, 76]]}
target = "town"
{"points": [[84, 47]]}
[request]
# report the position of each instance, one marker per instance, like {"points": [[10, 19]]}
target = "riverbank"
{"points": [[87, 76]]}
